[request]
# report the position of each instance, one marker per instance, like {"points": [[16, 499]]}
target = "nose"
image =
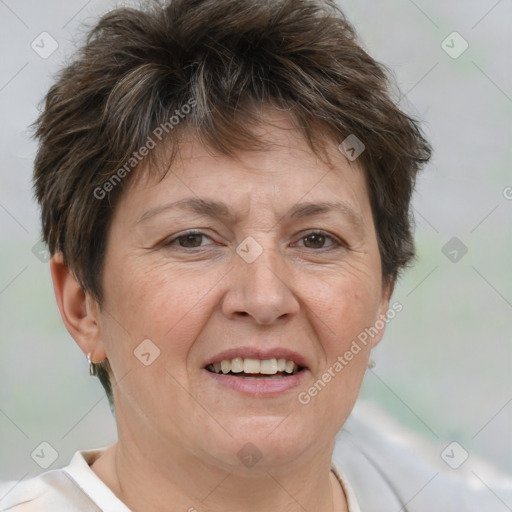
{"points": [[260, 289]]}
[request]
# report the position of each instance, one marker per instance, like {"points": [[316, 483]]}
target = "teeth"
{"points": [[252, 365], [225, 366], [237, 365], [269, 367], [255, 366]]}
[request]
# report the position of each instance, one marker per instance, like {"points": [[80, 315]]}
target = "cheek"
{"points": [[341, 316], [164, 305], [342, 306], [161, 303]]}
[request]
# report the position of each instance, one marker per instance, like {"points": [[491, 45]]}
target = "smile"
{"points": [[255, 368]]}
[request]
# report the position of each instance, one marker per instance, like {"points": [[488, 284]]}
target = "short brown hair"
{"points": [[226, 59]]}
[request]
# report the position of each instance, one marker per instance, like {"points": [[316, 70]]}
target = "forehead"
{"points": [[284, 173]]}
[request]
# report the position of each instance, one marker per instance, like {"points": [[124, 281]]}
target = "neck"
{"points": [[153, 476]]}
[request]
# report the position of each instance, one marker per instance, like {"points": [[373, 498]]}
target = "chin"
{"points": [[262, 441]]}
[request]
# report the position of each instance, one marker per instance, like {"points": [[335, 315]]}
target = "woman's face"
{"points": [[267, 276]]}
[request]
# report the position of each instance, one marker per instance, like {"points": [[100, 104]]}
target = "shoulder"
{"points": [[18, 496], [59, 490], [52, 490], [390, 469]]}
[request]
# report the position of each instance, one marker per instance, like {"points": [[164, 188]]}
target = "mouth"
{"points": [[253, 372], [256, 369], [256, 372]]}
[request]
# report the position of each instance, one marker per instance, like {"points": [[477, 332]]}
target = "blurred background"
{"points": [[444, 368]]}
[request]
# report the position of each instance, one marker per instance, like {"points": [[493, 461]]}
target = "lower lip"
{"points": [[259, 386]]}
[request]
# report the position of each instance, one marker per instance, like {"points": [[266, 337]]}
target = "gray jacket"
{"points": [[391, 471]]}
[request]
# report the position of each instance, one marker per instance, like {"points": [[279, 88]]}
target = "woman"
{"points": [[225, 189]]}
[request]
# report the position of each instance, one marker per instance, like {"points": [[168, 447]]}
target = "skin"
{"points": [[179, 431]]}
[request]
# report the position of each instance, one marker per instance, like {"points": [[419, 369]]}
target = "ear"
{"points": [[79, 312], [382, 315]]}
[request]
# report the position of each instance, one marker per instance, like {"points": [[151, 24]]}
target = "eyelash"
{"points": [[335, 243]]}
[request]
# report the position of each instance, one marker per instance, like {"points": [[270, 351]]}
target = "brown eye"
{"points": [[317, 240], [190, 241], [314, 241]]}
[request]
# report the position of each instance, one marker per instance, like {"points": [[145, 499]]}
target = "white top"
{"points": [[77, 488]]}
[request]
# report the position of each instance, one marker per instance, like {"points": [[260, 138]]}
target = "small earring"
{"points": [[92, 369], [371, 364]]}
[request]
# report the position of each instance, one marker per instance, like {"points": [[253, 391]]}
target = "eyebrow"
{"points": [[219, 210]]}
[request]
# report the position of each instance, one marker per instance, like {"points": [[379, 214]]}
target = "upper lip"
{"points": [[256, 353]]}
